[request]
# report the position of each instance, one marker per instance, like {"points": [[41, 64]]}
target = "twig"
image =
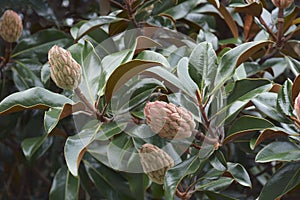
{"points": [[200, 136], [131, 12], [267, 56], [84, 100], [280, 24], [7, 55], [262, 21], [202, 109]]}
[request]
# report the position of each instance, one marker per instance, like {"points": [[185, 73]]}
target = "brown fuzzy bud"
{"points": [[282, 3], [65, 71], [168, 120], [297, 106], [155, 162], [11, 26]]}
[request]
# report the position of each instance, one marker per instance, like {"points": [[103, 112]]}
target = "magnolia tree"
{"points": [[134, 99]]}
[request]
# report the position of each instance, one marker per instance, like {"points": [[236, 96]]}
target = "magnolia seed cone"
{"points": [[297, 106], [10, 26], [155, 162], [282, 3], [65, 71], [168, 120]]}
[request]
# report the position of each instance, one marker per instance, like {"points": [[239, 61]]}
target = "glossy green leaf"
{"points": [[271, 133], [170, 80], [177, 173], [38, 44], [31, 145], [91, 25], [76, 146], [64, 185], [239, 174], [278, 151], [24, 77], [288, 176], [293, 64], [125, 72], [233, 58], [218, 196], [184, 77], [34, 98], [182, 9], [153, 56], [266, 103], [284, 100], [245, 89], [215, 185], [203, 60], [54, 114], [109, 183], [246, 124], [122, 154]]}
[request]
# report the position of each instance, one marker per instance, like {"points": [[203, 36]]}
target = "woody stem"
{"points": [[85, 101], [280, 38]]}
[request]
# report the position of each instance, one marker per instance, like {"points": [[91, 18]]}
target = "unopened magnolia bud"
{"points": [[297, 106], [168, 120], [65, 71], [10, 26], [282, 3], [155, 162]]}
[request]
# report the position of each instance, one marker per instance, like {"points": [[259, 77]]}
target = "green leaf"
{"points": [[54, 114], [91, 25], [24, 78], [109, 183], [122, 154], [182, 9], [288, 176], [284, 99], [233, 58], [203, 60], [153, 56], [76, 146], [184, 77], [246, 89], [246, 124], [239, 174], [279, 151], [215, 185], [34, 98], [177, 173], [266, 103], [293, 64], [31, 145], [38, 44], [270, 133], [64, 185], [124, 73], [170, 80]]}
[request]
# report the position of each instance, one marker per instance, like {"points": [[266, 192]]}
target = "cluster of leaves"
{"points": [[233, 65]]}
